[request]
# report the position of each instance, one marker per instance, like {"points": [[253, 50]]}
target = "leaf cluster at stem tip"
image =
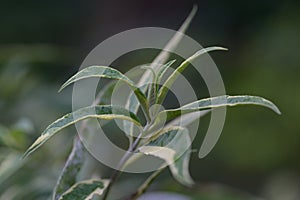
{"points": [[169, 140]]}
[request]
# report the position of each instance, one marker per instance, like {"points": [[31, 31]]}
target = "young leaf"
{"points": [[164, 89], [108, 72], [72, 167], [162, 58], [106, 112], [85, 190], [172, 145], [172, 44], [132, 105], [214, 102], [152, 86], [163, 70]]}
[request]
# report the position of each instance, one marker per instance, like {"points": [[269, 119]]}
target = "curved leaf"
{"points": [[163, 70], [233, 101], [165, 88], [76, 159], [164, 153], [97, 71], [106, 112], [132, 105], [153, 88], [173, 145], [85, 190], [108, 72], [72, 167], [173, 42], [214, 102], [160, 59]]}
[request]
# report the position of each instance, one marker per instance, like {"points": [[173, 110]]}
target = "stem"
{"points": [[121, 163], [143, 188], [147, 115], [116, 174]]}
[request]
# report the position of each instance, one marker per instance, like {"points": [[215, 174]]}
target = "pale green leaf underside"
{"points": [[85, 190], [71, 169], [173, 146], [165, 87], [164, 153], [216, 102], [105, 112]]}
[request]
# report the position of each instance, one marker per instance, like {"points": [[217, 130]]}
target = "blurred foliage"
{"points": [[42, 43]]}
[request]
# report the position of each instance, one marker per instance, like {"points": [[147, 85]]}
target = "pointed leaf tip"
{"points": [[194, 10], [104, 112], [206, 50], [173, 146]]}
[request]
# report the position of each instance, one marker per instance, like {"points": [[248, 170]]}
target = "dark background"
{"points": [[42, 43]]}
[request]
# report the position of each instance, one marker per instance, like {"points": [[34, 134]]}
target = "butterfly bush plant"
{"points": [[159, 135]]}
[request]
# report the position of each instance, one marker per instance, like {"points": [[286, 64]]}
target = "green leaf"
{"points": [[163, 70], [165, 88], [233, 101], [76, 158], [160, 59], [173, 43], [132, 105], [153, 87], [164, 153], [173, 146], [97, 71], [214, 102], [71, 169], [85, 190], [105, 112], [108, 72]]}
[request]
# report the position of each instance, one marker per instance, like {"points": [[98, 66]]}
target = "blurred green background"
{"points": [[42, 43]]}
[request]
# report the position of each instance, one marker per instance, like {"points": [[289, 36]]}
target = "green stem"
{"points": [[143, 188], [121, 163]]}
